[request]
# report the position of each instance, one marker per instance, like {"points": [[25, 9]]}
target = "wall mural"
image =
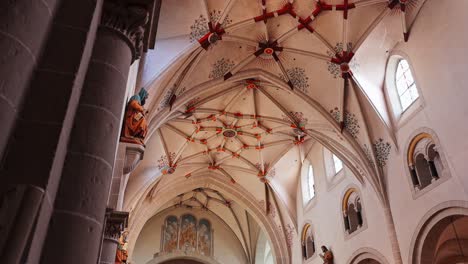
{"points": [[204, 237], [166, 98], [170, 233], [188, 233], [298, 78], [351, 124], [382, 151], [199, 28], [220, 67], [187, 236]]}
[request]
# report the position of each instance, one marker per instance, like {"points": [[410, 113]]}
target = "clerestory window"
{"points": [[405, 84]]}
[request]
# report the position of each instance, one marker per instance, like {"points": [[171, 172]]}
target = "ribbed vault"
{"points": [[256, 85]]}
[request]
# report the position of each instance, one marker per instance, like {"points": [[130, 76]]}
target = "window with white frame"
{"points": [[337, 164], [405, 84], [310, 183]]}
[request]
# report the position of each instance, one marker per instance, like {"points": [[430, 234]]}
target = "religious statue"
{"points": [[121, 254], [135, 126], [327, 255]]}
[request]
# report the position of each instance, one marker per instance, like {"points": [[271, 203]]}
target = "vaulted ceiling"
{"points": [[243, 89]]}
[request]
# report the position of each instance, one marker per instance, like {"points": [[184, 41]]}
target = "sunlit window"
{"points": [[310, 182], [406, 87], [337, 163]]}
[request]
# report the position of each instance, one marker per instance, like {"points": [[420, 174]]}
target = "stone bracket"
{"points": [[133, 155], [116, 222]]}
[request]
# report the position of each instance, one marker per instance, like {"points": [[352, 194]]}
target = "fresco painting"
{"points": [[204, 237], [188, 233], [171, 229]]}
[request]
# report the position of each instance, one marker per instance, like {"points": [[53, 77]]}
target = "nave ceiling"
{"points": [[244, 89]]}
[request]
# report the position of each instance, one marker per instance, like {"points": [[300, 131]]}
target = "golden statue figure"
{"points": [[135, 125]]}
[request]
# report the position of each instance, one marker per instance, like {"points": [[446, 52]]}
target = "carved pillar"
{"points": [[78, 218], [115, 223]]}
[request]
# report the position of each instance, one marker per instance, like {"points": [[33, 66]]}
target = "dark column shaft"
{"points": [[78, 218], [37, 145], [23, 29], [77, 221]]}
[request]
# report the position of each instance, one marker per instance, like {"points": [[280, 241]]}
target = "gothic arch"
{"points": [[353, 156], [244, 198], [430, 223], [199, 258], [367, 253]]}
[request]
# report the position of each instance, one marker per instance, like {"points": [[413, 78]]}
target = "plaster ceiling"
{"points": [[247, 87]]}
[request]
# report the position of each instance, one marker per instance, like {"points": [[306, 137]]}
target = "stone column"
{"points": [[392, 234], [23, 30], [77, 222], [31, 168], [116, 222], [433, 170]]}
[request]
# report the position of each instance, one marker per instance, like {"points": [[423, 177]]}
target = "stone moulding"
{"points": [[133, 155]]}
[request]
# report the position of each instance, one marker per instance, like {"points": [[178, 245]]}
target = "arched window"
{"points": [[170, 234], [188, 233], [310, 182], [424, 161], [405, 84], [205, 239], [352, 211], [337, 163], [308, 242]]}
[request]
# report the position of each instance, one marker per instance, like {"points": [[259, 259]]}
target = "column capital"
{"points": [[128, 18], [116, 222]]}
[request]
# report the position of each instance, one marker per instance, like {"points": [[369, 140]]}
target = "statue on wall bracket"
{"points": [[135, 126], [327, 255], [121, 254]]}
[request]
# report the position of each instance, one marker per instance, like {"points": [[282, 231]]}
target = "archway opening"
{"points": [[369, 261], [182, 261], [447, 241]]}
